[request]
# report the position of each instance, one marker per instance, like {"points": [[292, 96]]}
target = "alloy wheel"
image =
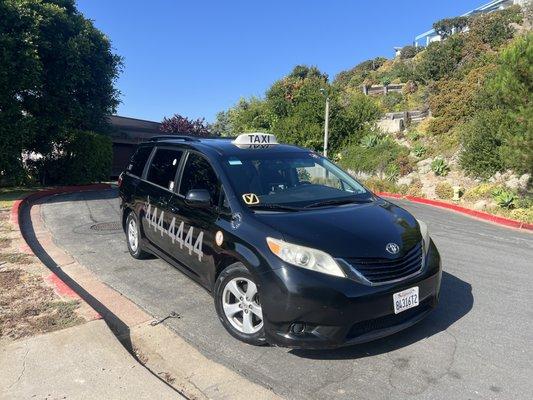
{"points": [[240, 302]]}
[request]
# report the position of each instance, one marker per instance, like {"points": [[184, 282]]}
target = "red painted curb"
{"points": [[462, 210], [15, 212], [59, 285]]}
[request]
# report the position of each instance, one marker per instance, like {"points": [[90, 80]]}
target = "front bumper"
{"points": [[339, 311]]}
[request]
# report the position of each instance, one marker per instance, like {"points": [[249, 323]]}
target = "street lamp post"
{"points": [[326, 123]]}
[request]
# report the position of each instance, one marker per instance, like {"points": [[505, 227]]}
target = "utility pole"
{"points": [[326, 123], [326, 128]]}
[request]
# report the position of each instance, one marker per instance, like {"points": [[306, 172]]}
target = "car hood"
{"points": [[354, 230]]}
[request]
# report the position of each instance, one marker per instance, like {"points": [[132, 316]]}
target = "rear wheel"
{"points": [[133, 236], [238, 305]]}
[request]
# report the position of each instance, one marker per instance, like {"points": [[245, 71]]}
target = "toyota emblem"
{"points": [[392, 248]]}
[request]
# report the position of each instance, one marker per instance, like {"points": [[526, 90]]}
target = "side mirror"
{"points": [[198, 198]]}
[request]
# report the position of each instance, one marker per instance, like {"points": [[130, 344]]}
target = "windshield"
{"points": [[291, 179]]}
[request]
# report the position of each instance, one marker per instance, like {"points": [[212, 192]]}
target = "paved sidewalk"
{"points": [[82, 362]]}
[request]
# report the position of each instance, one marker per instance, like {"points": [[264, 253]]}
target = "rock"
{"points": [[359, 175], [426, 161], [523, 181], [480, 205], [424, 166], [405, 180], [512, 182]]}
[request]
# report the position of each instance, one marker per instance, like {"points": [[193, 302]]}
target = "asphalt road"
{"points": [[478, 344]]}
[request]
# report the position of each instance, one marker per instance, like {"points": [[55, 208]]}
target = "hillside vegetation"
{"points": [[477, 84]]}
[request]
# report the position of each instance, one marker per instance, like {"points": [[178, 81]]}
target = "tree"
{"points": [[222, 126], [293, 109], [57, 73], [183, 125], [448, 26]]}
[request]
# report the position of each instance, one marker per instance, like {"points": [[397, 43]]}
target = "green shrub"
{"points": [[85, 157], [440, 125], [522, 214], [479, 192], [409, 52], [419, 150], [391, 101], [504, 198], [439, 167], [371, 140], [444, 190], [413, 136], [373, 159], [440, 59], [381, 185], [494, 28], [392, 172], [405, 165], [482, 139], [415, 188]]}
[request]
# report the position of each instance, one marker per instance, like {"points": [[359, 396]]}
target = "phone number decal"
{"points": [[156, 220]]}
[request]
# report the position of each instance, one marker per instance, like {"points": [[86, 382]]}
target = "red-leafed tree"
{"points": [[184, 126]]}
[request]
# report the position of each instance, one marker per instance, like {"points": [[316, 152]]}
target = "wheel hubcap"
{"points": [[240, 302], [132, 235]]}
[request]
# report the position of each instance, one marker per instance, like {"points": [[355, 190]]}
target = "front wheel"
{"points": [[238, 305], [133, 236]]}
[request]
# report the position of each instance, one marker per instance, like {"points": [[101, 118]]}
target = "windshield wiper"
{"points": [[279, 207], [332, 202]]}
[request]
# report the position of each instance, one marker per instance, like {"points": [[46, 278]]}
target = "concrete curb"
{"points": [[159, 349], [463, 210], [60, 287]]}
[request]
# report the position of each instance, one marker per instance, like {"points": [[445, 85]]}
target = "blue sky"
{"points": [[198, 57]]}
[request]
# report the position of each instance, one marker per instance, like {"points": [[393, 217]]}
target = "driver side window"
{"points": [[198, 174]]}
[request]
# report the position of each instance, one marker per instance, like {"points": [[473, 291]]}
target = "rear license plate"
{"points": [[405, 299]]}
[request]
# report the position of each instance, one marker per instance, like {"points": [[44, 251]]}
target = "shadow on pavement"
{"points": [[456, 300], [105, 194], [120, 329]]}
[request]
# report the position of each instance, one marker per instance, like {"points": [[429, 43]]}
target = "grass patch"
{"points": [[15, 258], [9, 195], [29, 307]]}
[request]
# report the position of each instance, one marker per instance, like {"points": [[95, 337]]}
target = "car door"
{"points": [[195, 228], [157, 190]]}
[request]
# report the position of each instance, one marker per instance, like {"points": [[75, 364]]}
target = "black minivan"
{"points": [[295, 251]]}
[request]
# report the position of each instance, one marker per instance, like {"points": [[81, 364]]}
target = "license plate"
{"points": [[405, 299]]}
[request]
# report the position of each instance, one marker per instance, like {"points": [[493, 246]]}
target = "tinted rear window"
{"points": [[138, 160], [163, 167]]}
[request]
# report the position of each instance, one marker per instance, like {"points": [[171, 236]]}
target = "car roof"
{"points": [[222, 145]]}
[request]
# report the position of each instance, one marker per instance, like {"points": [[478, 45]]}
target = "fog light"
{"points": [[297, 328]]}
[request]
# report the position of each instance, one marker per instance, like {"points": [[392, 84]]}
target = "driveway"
{"points": [[477, 344]]}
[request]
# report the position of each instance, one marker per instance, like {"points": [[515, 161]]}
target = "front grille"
{"points": [[382, 270], [387, 321]]}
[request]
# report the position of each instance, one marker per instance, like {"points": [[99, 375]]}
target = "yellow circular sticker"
{"points": [[219, 238]]}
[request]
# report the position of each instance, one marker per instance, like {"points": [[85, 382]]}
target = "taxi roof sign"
{"points": [[255, 139]]}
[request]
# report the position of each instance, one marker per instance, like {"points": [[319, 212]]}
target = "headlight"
{"points": [[305, 257], [425, 235]]}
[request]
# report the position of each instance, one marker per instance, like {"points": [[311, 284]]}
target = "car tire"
{"points": [[134, 237], [238, 305]]}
